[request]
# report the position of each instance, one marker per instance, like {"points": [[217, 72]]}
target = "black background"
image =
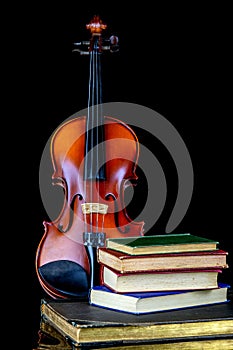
{"points": [[174, 59]]}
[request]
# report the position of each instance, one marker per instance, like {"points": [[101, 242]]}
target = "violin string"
{"points": [[93, 149], [97, 129], [87, 136], [92, 130], [101, 148]]}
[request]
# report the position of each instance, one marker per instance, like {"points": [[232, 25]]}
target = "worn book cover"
{"points": [[85, 324], [123, 262], [139, 303], [167, 243], [159, 280], [51, 338]]}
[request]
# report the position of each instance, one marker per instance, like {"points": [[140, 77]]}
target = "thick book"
{"points": [[168, 280], [123, 262], [51, 338], [167, 243], [141, 303], [85, 324]]}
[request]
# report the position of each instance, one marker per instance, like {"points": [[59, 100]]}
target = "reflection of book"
{"points": [[168, 280], [129, 263], [85, 324], [167, 243], [139, 303], [210, 344], [50, 338]]}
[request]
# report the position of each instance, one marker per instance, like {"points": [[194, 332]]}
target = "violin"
{"points": [[94, 159]]}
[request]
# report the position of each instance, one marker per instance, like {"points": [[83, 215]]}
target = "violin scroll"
{"points": [[96, 27]]}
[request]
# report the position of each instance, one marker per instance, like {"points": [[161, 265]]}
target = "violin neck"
{"points": [[94, 152], [95, 76]]}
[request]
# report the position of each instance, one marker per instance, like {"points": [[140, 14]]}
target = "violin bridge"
{"points": [[88, 208]]}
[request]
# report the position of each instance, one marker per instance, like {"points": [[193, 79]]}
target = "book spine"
{"points": [[101, 273]]}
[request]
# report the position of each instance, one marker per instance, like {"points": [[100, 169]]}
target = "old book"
{"points": [[139, 303], [123, 262], [85, 324], [167, 243], [168, 280], [51, 338]]}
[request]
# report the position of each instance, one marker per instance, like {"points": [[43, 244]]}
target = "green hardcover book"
{"points": [[166, 243]]}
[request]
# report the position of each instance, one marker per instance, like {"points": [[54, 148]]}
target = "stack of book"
{"points": [[131, 283], [161, 272]]}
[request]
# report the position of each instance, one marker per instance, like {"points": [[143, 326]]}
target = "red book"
{"points": [[124, 262]]}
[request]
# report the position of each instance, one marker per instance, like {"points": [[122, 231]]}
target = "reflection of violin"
{"points": [[94, 159]]}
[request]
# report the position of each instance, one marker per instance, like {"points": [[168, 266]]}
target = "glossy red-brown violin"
{"points": [[94, 159]]}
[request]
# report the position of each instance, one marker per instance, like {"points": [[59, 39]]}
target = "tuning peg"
{"points": [[81, 44], [111, 44], [114, 47], [114, 40]]}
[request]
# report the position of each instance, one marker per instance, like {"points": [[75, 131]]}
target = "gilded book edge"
{"points": [[81, 334]]}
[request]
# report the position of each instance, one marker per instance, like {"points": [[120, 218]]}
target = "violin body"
{"points": [[61, 249], [94, 159]]}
